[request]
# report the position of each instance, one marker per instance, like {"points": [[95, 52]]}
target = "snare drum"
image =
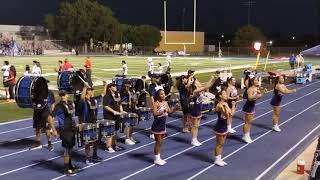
{"points": [[129, 119], [144, 114], [106, 128], [31, 92], [89, 133]]}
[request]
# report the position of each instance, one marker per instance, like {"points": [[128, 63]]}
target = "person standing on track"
{"points": [[253, 93], [63, 114], [279, 90], [88, 67], [221, 128], [232, 93], [194, 118], [160, 110], [183, 84]]}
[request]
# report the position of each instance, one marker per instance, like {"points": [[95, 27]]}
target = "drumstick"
{"points": [[83, 81]]}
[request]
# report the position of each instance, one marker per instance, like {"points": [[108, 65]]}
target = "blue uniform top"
{"points": [[63, 113], [277, 98], [88, 113], [221, 125]]}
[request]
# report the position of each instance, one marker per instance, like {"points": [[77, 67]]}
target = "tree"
{"points": [[79, 20], [247, 35]]}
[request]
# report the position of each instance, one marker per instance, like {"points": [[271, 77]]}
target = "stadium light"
{"points": [[257, 46]]}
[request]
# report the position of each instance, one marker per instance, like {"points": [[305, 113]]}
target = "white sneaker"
{"points": [[196, 143], [159, 162], [276, 128], [220, 162], [89, 163], [185, 130], [247, 139], [152, 136], [231, 131], [133, 140], [110, 150], [129, 142]]}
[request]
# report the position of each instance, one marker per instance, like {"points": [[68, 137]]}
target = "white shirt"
{"points": [[150, 66], [125, 69], [36, 70], [5, 70]]}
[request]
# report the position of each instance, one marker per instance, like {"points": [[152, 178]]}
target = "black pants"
{"points": [[88, 75], [11, 91]]}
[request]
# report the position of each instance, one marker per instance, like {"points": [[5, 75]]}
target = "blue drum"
{"points": [[129, 119], [144, 113], [89, 133], [31, 92], [71, 81], [106, 128], [118, 81]]}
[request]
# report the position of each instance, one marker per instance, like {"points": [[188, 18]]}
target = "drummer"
{"points": [[112, 110], [40, 118], [125, 95], [63, 114], [88, 115]]}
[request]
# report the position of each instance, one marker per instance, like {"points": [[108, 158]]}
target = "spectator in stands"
{"points": [[67, 66], [299, 60], [5, 74], [36, 69], [291, 61], [87, 65]]}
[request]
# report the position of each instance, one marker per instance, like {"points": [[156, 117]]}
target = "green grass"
{"points": [[104, 68]]}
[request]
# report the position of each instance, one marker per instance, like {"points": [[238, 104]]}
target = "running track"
{"points": [[263, 159]]}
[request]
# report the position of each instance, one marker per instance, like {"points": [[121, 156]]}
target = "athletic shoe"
{"points": [[89, 162], [133, 140], [117, 148], [36, 145], [276, 128], [129, 142], [159, 162], [110, 150], [185, 130], [196, 143], [219, 162], [231, 131], [69, 172], [152, 136], [247, 139], [50, 148]]}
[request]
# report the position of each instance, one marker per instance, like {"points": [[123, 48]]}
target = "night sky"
{"points": [[287, 17]]}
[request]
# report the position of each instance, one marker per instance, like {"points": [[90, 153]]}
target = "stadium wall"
{"points": [[182, 37]]}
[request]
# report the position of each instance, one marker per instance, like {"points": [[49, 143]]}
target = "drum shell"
{"points": [[129, 119], [89, 132], [31, 92], [144, 114], [106, 128]]}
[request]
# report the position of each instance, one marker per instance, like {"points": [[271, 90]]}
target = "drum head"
{"points": [[40, 92], [76, 83]]}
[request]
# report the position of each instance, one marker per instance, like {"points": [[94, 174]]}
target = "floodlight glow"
{"points": [[257, 46]]}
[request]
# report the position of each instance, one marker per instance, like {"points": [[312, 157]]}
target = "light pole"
{"points": [[249, 4]]}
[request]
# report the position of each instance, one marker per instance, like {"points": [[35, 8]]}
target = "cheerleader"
{"points": [[194, 118], [160, 111], [221, 127], [112, 109], [279, 90], [89, 115], [232, 93], [126, 105], [253, 93], [63, 114]]}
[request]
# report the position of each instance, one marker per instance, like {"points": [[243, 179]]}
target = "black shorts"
{"points": [[68, 139], [40, 117]]}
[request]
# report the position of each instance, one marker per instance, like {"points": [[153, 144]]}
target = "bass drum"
{"points": [[31, 92]]}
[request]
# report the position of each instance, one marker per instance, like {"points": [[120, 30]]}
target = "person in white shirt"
{"points": [[124, 68], [5, 74], [150, 66], [160, 68], [27, 71], [299, 60], [168, 65], [36, 69]]}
